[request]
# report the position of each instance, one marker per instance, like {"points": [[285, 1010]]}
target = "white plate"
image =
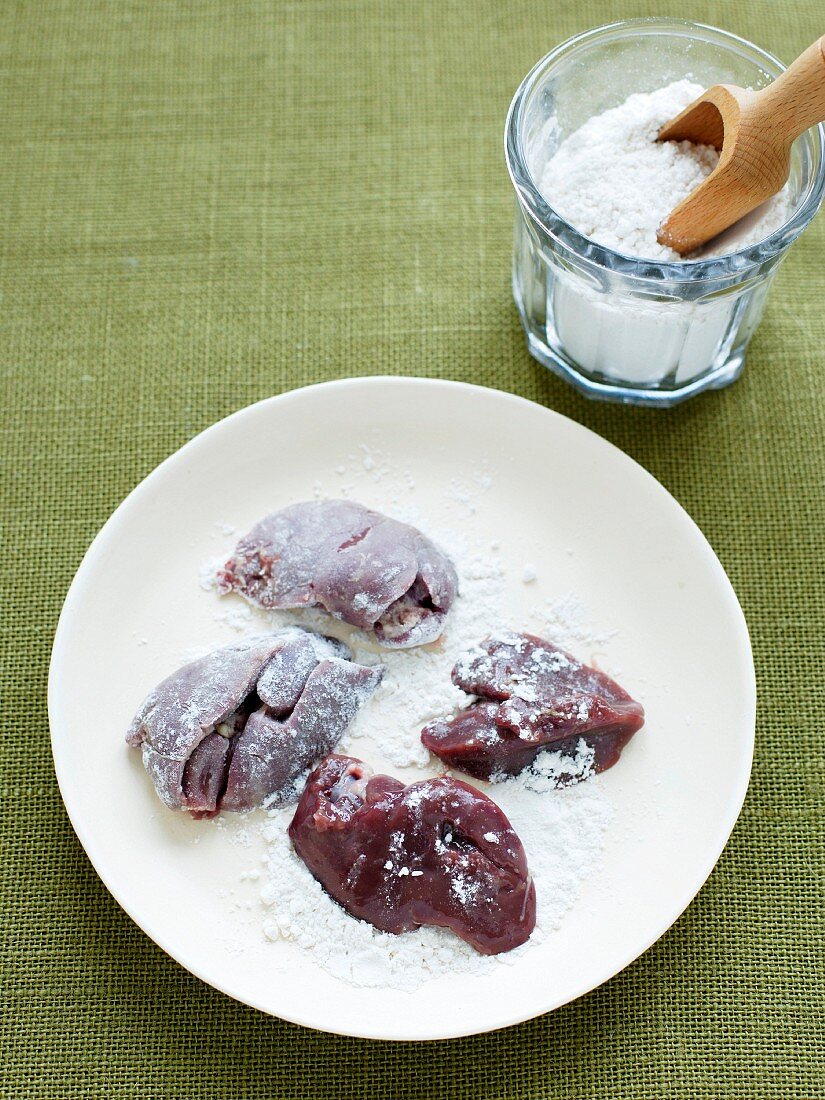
{"points": [[585, 515]]}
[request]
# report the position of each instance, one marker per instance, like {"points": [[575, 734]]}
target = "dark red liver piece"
{"points": [[532, 696], [437, 852]]}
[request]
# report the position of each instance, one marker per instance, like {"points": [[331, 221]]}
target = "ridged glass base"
{"points": [[605, 390]]}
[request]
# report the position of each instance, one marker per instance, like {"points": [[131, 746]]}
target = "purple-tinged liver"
{"points": [[241, 724], [531, 696], [362, 567]]}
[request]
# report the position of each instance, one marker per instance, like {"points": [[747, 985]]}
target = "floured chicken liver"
{"points": [[437, 852], [240, 725], [532, 696], [361, 566]]}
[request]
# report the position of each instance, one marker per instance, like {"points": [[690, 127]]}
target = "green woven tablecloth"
{"points": [[206, 202]]}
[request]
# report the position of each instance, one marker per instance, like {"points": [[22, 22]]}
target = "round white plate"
{"points": [[587, 518]]}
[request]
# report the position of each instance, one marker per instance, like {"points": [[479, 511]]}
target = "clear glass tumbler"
{"points": [[620, 328]]}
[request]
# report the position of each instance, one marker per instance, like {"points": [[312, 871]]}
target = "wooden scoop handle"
{"points": [[796, 99]]}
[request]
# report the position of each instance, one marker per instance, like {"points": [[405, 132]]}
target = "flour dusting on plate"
{"points": [[561, 821]]}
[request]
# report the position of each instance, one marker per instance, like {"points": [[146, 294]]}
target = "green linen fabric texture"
{"points": [[206, 203]]}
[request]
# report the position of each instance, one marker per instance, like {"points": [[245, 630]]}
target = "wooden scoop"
{"points": [[754, 132]]}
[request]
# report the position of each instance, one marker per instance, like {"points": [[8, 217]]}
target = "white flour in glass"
{"points": [[614, 183]]}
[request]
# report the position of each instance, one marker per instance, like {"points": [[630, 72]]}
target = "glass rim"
{"points": [[739, 263]]}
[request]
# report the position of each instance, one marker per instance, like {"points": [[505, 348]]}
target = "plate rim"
{"points": [[735, 800]]}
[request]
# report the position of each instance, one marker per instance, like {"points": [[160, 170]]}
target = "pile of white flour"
{"points": [[616, 184]]}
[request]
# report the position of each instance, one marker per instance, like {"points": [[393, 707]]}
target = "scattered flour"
{"points": [[615, 183], [565, 620], [562, 822], [208, 572], [238, 618]]}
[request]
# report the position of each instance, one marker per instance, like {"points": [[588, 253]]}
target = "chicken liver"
{"points": [[241, 724], [437, 852], [531, 696], [361, 566]]}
